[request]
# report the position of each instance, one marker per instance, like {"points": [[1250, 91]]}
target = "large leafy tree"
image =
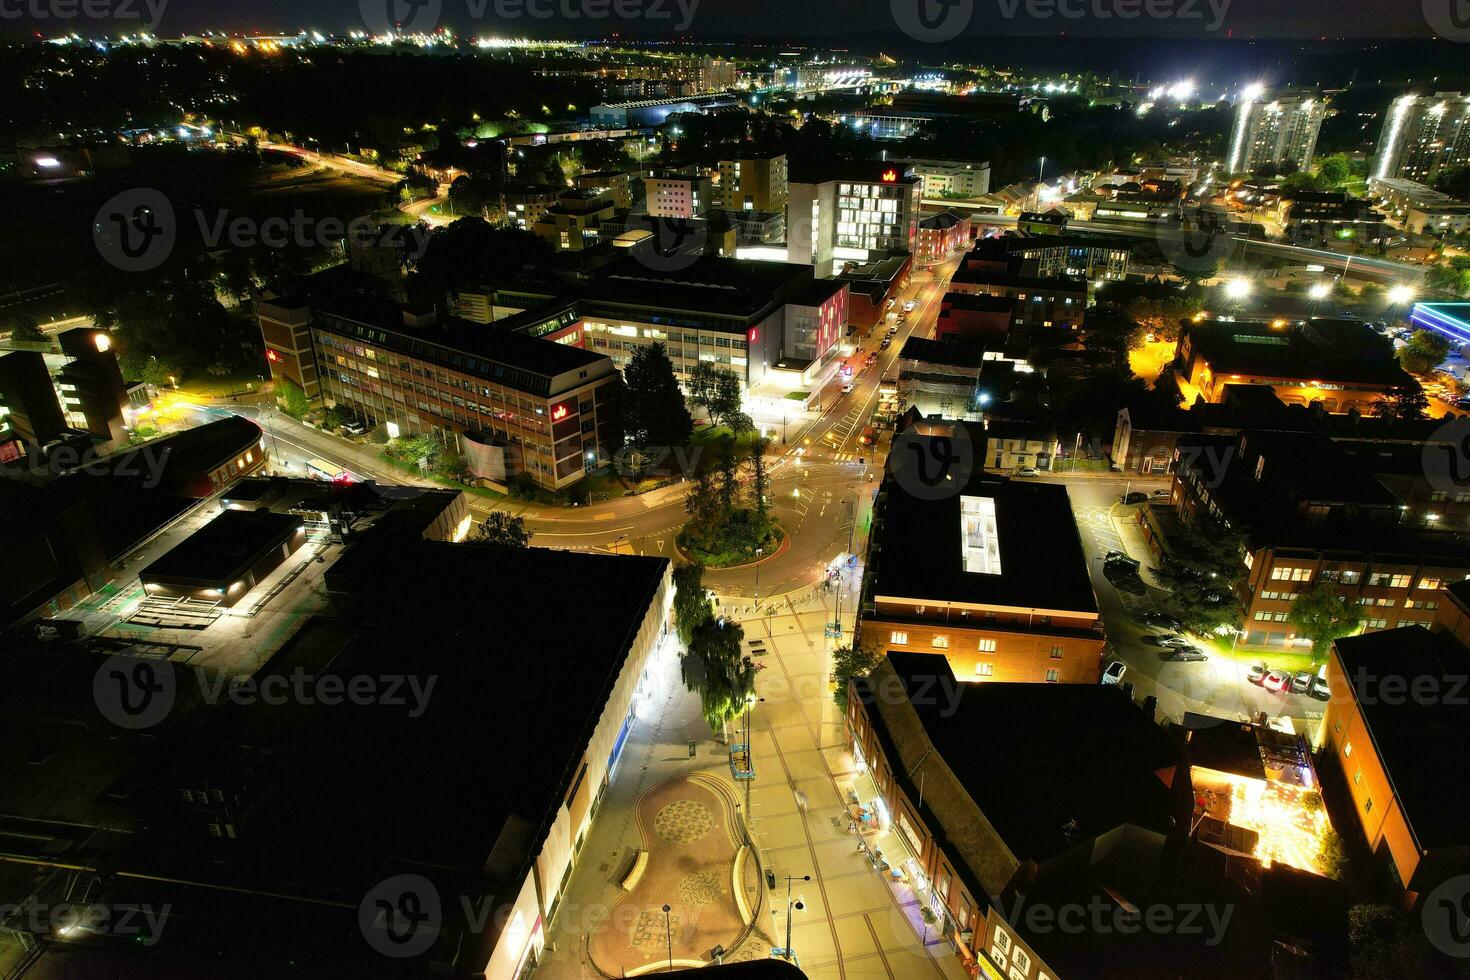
{"points": [[654, 413], [849, 662], [1404, 404], [503, 530], [691, 604], [1423, 351], [1322, 615], [716, 668], [1205, 569]]}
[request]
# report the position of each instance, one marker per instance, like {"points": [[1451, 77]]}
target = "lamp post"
{"points": [[668, 938], [758, 553], [787, 951]]}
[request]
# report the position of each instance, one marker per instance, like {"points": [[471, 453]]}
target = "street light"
{"points": [[1238, 288], [1319, 290], [1399, 295], [798, 905], [668, 938]]}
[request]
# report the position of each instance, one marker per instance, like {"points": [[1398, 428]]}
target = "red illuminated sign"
{"points": [[271, 355], [889, 176], [559, 412], [754, 333]]}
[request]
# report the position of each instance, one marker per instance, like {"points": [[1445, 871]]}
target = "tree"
{"points": [[760, 481], [716, 668], [1384, 942], [716, 390], [692, 606], [1423, 351], [653, 410], [292, 399], [1404, 404], [1334, 170], [25, 330], [503, 530], [1321, 615], [849, 662], [1206, 566]]}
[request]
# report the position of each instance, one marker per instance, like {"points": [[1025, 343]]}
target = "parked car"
{"points": [[1113, 673], [1163, 621], [1028, 471], [1162, 494], [1320, 690], [1276, 680], [910, 305], [847, 388], [1136, 497], [1177, 642], [886, 342], [1302, 682], [1257, 673], [1189, 654], [353, 428], [1122, 563]]}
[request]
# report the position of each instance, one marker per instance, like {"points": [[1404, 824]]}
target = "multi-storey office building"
{"points": [[511, 403], [1313, 513], [1424, 135], [756, 318], [992, 576], [1339, 364], [951, 178], [30, 415], [758, 183], [524, 205], [678, 195], [858, 211], [1274, 129], [616, 184]]}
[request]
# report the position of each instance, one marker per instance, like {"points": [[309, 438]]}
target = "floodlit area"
{"points": [[1289, 821]]}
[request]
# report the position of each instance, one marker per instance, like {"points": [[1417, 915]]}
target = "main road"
{"points": [[822, 481]]}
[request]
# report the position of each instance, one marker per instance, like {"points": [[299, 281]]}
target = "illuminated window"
{"points": [[984, 670], [987, 646], [1053, 675], [899, 639], [941, 642]]}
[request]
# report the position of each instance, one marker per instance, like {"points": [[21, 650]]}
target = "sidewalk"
{"points": [[599, 927], [1126, 524]]}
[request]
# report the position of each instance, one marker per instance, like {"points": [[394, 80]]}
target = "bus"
{"points": [[320, 469]]}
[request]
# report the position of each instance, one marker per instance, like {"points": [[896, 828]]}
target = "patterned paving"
{"points": [[683, 822]]}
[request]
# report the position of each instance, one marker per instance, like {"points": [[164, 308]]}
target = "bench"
{"points": [[640, 864]]}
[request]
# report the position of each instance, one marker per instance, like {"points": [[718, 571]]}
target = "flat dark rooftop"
{"points": [[1415, 735], [1035, 774], [977, 303], [491, 343], [1340, 351], [225, 548], [997, 277], [1042, 563], [954, 353]]}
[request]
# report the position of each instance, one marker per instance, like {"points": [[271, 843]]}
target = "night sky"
{"points": [[784, 19]]}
